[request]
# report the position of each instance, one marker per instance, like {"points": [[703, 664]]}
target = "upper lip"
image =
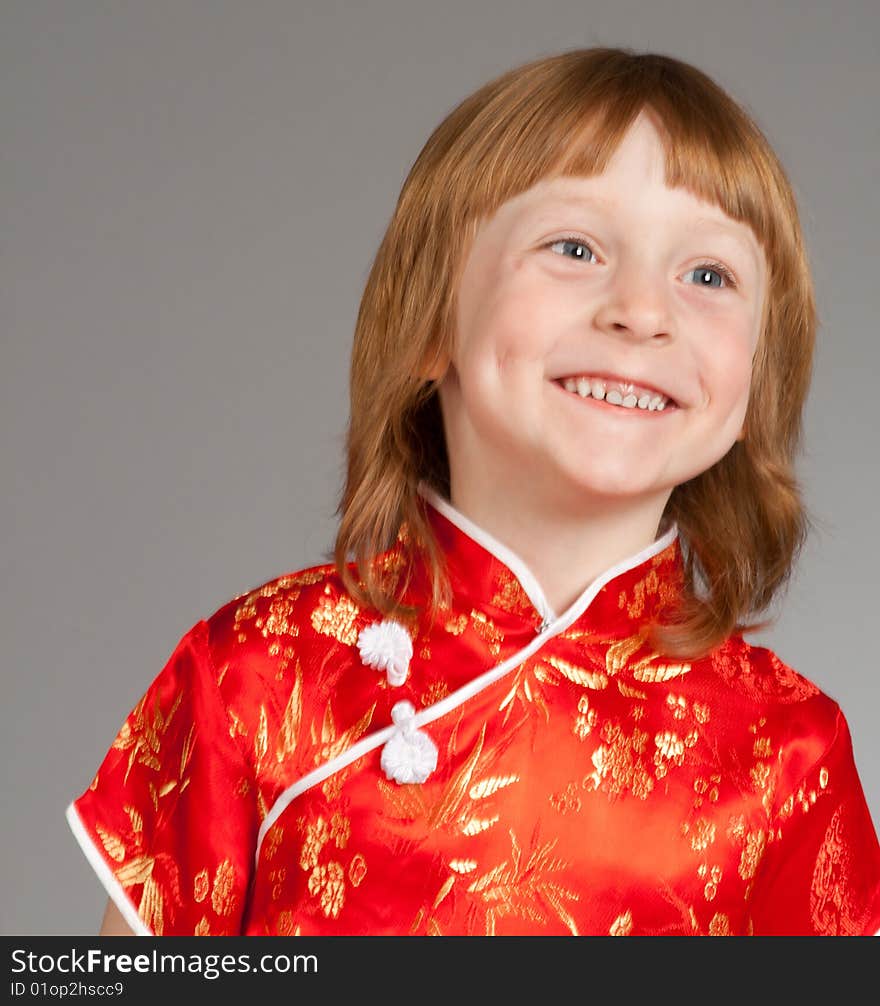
{"points": [[606, 375]]}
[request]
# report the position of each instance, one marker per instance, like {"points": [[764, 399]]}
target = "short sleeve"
{"points": [[169, 822], [820, 873]]}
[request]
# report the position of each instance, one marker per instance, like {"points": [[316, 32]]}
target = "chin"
{"points": [[612, 490]]}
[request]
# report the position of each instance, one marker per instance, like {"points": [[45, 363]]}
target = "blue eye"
{"points": [[579, 247], [710, 271]]}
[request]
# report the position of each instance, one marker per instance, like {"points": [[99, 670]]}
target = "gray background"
{"points": [[191, 194]]}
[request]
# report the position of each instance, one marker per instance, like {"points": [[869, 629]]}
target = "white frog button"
{"points": [[409, 755], [387, 646]]}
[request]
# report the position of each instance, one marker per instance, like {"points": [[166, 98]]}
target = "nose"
{"points": [[636, 300]]}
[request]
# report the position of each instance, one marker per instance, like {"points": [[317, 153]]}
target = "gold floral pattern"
{"points": [[337, 617], [222, 897]]}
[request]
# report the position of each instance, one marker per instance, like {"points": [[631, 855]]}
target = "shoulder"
{"points": [[286, 659], [259, 635], [270, 608], [777, 696]]}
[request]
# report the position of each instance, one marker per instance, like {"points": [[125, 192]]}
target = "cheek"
{"points": [[509, 332], [525, 323], [727, 369], [737, 377]]}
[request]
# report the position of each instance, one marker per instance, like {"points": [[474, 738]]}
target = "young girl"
{"points": [[519, 700]]}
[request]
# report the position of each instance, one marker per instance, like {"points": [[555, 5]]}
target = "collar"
{"points": [[487, 575]]}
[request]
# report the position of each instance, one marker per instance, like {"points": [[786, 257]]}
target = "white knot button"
{"points": [[409, 755], [387, 647]]}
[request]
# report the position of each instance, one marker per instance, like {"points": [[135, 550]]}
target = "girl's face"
{"points": [[614, 275]]}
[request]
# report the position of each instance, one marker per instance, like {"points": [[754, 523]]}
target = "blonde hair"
{"points": [[743, 521]]}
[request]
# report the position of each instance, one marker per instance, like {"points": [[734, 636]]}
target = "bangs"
{"points": [[571, 121]]}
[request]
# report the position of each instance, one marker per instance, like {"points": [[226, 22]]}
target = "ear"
{"points": [[742, 433]]}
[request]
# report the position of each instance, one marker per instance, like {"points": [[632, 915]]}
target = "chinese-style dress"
{"points": [[303, 766]]}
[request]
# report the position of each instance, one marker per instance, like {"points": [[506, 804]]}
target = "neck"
{"points": [[564, 548]]}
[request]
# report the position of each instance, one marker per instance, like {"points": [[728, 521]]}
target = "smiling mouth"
{"points": [[621, 408]]}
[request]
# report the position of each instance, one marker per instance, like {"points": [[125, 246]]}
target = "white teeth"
{"points": [[586, 388]]}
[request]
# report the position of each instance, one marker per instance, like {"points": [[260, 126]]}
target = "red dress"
{"points": [[302, 766]]}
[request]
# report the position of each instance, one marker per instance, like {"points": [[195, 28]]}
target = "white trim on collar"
{"points": [[511, 560], [527, 579]]}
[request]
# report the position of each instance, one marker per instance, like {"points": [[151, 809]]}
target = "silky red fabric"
{"points": [[592, 788]]}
